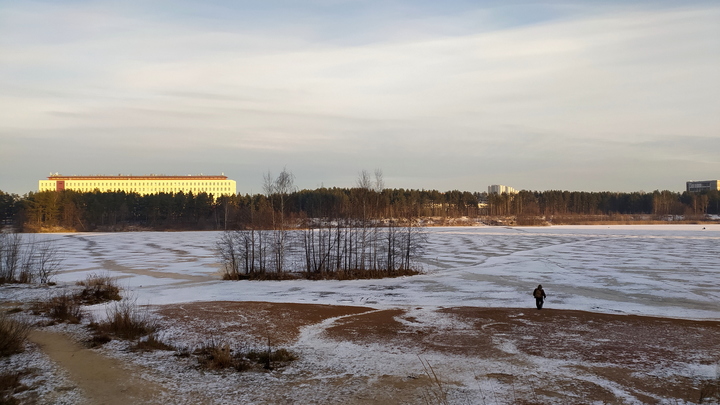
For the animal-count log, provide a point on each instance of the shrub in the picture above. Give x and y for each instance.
(271, 359)
(125, 319)
(64, 308)
(99, 338)
(13, 334)
(215, 355)
(99, 288)
(61, 308)
(710, 390)
(152, 343)
(9, 385)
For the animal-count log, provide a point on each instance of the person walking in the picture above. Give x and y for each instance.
(539, 295)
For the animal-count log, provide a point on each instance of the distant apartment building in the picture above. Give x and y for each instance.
(152, 184)
(705, 185)
(499, 189)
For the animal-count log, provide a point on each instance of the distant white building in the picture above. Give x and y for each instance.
(143, 185)
(499, 189)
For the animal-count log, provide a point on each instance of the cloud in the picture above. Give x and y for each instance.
(622, 83)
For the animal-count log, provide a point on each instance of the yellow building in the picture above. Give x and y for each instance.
(215, 185)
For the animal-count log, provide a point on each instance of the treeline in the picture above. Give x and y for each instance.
(562, 203)
(92, 211)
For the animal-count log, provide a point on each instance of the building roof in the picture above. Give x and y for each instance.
(130, 177)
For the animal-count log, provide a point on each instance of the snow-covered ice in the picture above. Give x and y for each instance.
(669, 271)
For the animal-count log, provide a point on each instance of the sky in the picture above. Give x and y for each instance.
(553, 95)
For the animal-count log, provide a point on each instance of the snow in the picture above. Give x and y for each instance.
(668, 271)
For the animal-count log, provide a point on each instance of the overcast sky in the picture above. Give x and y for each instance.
(588, 96)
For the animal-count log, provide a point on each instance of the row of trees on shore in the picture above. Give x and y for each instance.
(552, 203)
(89, 211)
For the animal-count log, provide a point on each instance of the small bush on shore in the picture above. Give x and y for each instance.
(99, 288)
(64, 308)
(271, 359)
(9, 385)
(126, 320)
(152, 343)
(710, 391)
(13, 334)
(99, 338)
(215, 355)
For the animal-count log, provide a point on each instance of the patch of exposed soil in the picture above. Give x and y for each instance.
(516, 355)
(631, 351)
(102, 380)
(251, 321)
(626, 353)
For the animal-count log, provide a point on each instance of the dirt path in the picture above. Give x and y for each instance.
(102, 380)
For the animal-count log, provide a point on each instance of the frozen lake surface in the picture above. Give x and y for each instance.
(671, 271)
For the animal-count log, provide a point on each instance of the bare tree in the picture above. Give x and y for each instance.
(229, 255)
(47, 261)
(10, 256)
(243, 253)
(278, 190)
(379, 182)
(25, 261)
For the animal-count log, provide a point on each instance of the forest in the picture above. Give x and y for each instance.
(120, 211)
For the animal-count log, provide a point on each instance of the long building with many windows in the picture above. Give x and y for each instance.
(152, 184)
(705, 185)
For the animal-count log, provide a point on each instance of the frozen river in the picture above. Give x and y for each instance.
(671, 270)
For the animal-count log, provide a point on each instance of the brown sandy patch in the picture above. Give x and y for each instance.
(102, 380)
(519, 356)
(638, 353)
(375, 326)
(624, 340)
(252, 321)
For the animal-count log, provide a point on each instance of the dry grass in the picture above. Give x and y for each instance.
(710, 391)
(360, 274)
(99, 288)
(64, 308)
(152, 343)
(271, 359)
(263, 276)
(9, 385)
(99, 338)
(437, 393)
(13, 334)
(126, 320)
(214, 355)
